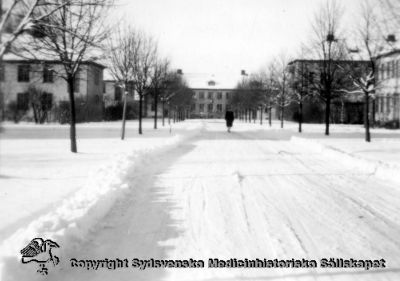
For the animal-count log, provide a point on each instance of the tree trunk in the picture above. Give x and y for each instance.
(163, 112)
(140, 113)
(124, 117)
(300, 116)
(270, 116)
(169, 114)
(155, 108)
(72, 129)
(282, 109)
(261, 116)
(367, 132)
(327, 114)
(254, 113)
(35, 114)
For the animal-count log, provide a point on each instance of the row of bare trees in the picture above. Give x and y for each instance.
(133, 59)
(335, 63)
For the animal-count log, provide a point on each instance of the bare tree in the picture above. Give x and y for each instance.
(24, 16)
(158, 80)
(369, 43)
(72, 34)
(143, 69)
(123, 49)
(328, 49)
(280, 81)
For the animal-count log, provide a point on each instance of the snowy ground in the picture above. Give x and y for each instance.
(35, 162)
(253, 193)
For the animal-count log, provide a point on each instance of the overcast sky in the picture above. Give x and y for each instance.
(225, 36)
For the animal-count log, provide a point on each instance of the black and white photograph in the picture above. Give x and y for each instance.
(200, 140)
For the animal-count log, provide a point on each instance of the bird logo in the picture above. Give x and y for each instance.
(40, 251)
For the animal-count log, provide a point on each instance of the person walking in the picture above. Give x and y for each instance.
(229, 117)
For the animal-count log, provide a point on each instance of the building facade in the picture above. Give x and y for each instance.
(19, 79)
(387, 100)
(346, 106)
(210, 101)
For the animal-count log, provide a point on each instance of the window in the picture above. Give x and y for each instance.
(210, 95)
(201, 107)
(23, 73)
(219, 95)
(228, 96)
(46, 101)
(210, 107)
(219, 107)
(201, 95)
(117, 93)
(1, 73)
(104, 87)
(47, 74)
(23, 101)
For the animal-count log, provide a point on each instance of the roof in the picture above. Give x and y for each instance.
(316, 61)
(10, 58)
(204, 81)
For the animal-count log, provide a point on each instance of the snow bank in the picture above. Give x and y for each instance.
(73, 219)
(380, 169)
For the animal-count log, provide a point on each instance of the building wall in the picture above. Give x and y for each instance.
(94, 92)
(387, 102)
(89, 93)
(210, 103)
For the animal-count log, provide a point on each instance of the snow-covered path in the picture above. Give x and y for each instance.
(248, 194)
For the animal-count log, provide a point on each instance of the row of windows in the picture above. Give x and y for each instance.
(48, 75)
(24, 73)
(210, 107)
(390, 69)
(210, 95)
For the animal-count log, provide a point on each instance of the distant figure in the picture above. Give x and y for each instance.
(229, 117)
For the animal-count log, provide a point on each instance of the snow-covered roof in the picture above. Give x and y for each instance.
(10, 57)
(212, 81)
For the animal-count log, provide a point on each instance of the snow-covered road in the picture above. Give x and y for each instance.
(248, 194)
